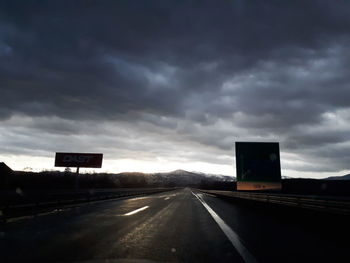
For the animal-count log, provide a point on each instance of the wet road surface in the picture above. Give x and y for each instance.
(177, 226)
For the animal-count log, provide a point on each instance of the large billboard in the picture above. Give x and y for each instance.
(258, 166)
(88, 160)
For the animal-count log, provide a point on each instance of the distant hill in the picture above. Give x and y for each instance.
(4, 169)
(343, 177)
(178, 178)
(6, 174)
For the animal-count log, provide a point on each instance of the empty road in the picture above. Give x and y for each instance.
(176, 226)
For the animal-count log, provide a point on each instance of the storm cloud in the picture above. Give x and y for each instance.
(177, 80)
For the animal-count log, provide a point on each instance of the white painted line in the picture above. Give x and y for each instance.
(167, 198)
(230, 234)
(136, 211)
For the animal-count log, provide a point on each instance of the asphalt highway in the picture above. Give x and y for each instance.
(176, 226)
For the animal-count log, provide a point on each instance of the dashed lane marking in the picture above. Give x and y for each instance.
(136, 211)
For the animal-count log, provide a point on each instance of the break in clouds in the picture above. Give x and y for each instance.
(177, 81)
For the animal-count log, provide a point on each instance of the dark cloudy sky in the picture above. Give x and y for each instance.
(161, 85)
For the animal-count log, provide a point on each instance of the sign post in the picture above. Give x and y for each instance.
(77, 179)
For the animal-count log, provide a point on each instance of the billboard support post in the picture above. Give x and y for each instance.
(77, 179)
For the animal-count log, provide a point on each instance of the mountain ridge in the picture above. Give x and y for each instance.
(178, 178)
(341, 177)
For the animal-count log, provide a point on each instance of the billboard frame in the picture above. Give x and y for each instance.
(79, 160)
(258, 166)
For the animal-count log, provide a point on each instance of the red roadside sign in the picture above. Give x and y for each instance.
(86, 160)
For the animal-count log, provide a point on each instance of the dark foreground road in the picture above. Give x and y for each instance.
(176, 226)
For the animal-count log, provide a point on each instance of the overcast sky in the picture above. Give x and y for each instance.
(164, 85)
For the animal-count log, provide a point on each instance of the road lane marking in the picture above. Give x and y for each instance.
(167, 198)
(230, 234)
(136, 211)
(140, 198)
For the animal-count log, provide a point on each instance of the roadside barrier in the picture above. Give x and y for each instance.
(320, 203)
(25, 203)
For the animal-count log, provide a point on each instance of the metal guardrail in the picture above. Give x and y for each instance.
(31, 203)
(325, 204)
